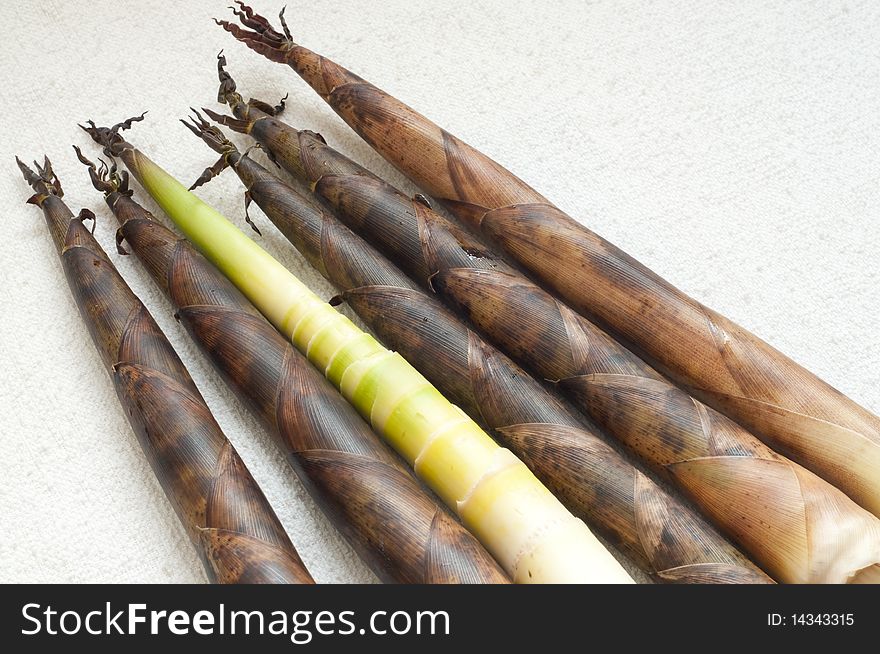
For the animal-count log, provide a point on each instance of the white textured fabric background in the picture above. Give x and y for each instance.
(732, 147)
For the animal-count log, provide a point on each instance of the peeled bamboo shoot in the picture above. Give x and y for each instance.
(559, 446)
(394, 524)
(518, 520)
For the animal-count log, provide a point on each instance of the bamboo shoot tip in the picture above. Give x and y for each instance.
(44, 181)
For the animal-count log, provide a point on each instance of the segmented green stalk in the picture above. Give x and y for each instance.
(497, 497)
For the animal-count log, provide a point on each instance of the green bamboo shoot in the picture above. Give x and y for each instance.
(497, 497)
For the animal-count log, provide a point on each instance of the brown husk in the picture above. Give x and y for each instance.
(720, 362)
(236, 532)
(662, 534)
(396, 526)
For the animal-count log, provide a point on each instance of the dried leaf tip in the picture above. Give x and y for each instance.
(46, 184)
(228, 94)
(209, 133)
(216, 141)
(229, 156)
(258, 23)
(108, 179)
(264, 39)
(44, 181)
(109, 137)
(236, 125)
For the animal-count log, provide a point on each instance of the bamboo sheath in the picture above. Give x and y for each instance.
(236, 532)
(523, 525)
(723, 364)
(393, 523)
(660, 533)
(796, 526)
